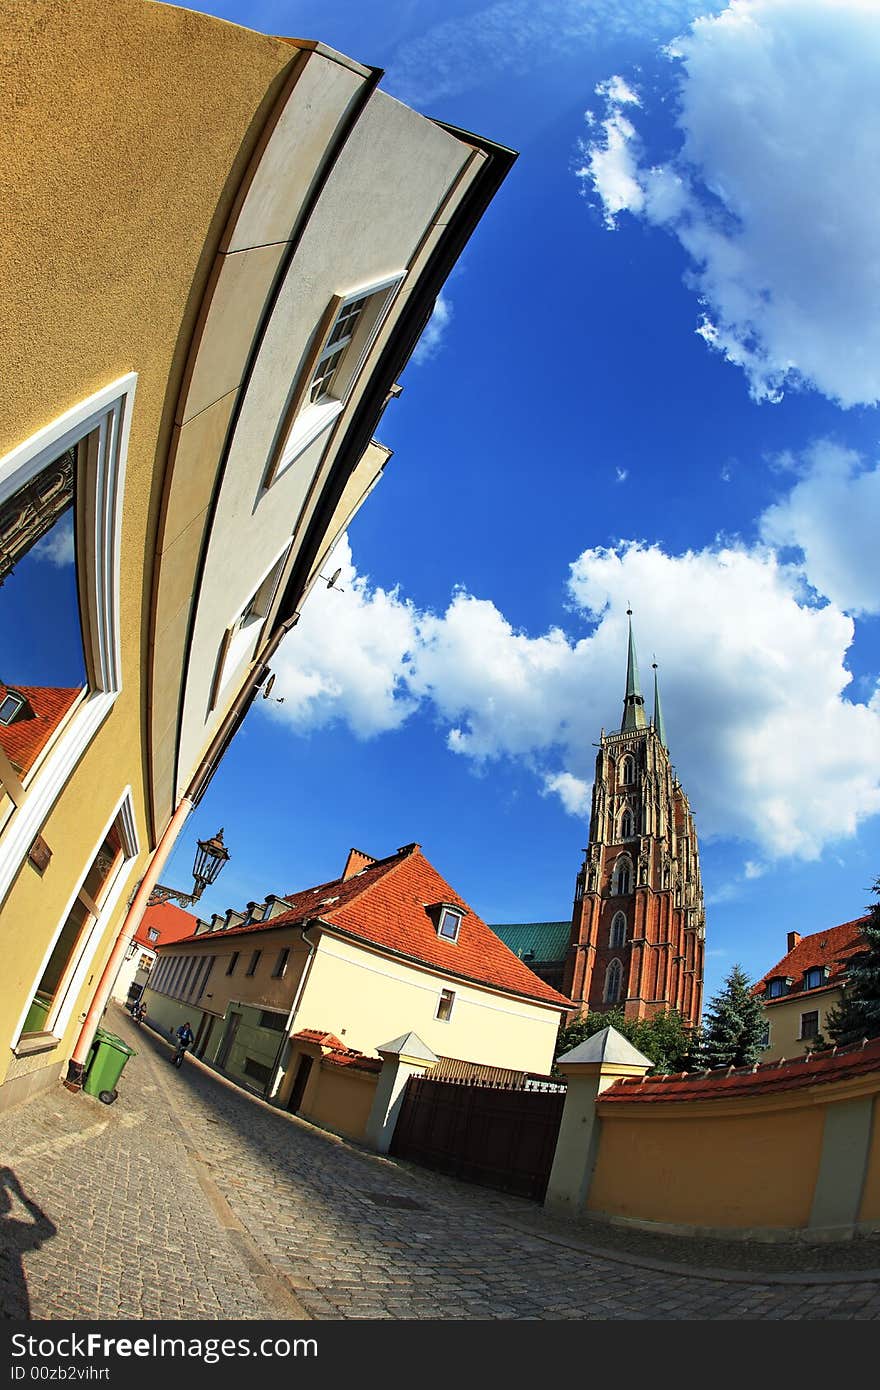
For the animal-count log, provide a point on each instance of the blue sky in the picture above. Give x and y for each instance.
(653, 379)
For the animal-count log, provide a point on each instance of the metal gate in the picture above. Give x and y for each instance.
(500, 1136)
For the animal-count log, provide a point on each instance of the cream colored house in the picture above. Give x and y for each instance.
(387, 949)
(801, 989)
(220, 249)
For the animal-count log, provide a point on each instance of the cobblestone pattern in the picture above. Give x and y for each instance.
(351, 1234)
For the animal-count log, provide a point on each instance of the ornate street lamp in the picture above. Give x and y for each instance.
(211, 855)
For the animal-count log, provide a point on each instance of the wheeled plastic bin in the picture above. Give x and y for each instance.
(108, 1057)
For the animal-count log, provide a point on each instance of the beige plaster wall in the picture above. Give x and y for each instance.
(126, 130)
(367, 999)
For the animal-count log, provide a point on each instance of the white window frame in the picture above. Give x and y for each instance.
(101, 423)
(240, 639)
(59, 1017)
(311, 420)
(445, 994)
(457, 917)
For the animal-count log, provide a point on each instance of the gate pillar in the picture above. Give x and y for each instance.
(589, 1069)
(402, 1058)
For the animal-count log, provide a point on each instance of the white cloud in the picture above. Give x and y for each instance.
(831, 516)
(435, 329)
(622, 474)
(762, 733)
(753, 870)
(516, 37)
(57, 547)
(773, 193)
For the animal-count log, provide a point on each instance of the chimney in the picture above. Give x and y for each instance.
(792, 940)
(356, 861)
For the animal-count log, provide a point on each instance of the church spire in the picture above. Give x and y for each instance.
(633, 701)
(658, 709)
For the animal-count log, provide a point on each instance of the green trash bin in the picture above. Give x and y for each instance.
(108, 1057)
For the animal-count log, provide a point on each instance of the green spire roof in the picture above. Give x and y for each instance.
(658, 710)
(634, 700)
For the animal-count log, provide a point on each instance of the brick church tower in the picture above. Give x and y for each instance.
(638, 927)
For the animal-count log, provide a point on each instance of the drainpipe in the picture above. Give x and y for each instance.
(303, 979)
(76, 1065)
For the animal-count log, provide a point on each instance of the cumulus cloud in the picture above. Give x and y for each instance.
(762, 730)
(773, 192)
(435, 329)
(830, 516)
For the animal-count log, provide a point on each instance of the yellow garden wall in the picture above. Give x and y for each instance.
(339, 1099)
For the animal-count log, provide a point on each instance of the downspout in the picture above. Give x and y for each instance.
(275, 1078)
(76, 1065)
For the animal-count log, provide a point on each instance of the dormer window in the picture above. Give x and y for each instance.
(447, 919)
(814, 977)
(776, 988)
(11, 707)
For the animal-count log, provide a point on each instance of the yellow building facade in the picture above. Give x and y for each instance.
(219, 250)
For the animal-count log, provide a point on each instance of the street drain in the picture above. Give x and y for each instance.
(390, 1199)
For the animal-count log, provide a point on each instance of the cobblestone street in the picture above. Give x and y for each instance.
(188, 1198)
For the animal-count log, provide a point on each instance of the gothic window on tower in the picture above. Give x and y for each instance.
(613, 981)
(627, 770)
(621, 879)
(626, 825)
(618, 930)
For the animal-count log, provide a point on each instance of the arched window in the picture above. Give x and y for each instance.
(621, 879)
(626, 825)
(627, 770)
(618, 930)
(613, 981)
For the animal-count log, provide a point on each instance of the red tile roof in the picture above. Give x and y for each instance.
(384, 906)
(24, 739)
(313, 1035)
(832, 948)
(768, 1078)
(171, 922)
(337, 1054)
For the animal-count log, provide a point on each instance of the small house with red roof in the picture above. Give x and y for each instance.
(160, 926)
(802, 987)
(332, 972)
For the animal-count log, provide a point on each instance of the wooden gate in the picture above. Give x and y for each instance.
(500, 1136)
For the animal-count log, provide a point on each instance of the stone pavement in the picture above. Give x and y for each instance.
(189, 1198)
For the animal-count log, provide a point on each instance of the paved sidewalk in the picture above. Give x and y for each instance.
(189, 1198)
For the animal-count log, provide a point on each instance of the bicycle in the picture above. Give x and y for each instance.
(182, 1049)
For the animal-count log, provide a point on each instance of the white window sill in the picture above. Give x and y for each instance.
(310, 423)
(36, 1042)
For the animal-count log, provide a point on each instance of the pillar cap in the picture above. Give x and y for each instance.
(607, 1048)
(408, 1048)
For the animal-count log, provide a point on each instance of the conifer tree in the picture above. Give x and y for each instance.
(733, 1027)
(858, 1014)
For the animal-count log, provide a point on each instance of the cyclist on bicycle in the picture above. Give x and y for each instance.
(185, 1039)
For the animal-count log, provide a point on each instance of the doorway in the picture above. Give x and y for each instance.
(228, 1039)
(300, 1081)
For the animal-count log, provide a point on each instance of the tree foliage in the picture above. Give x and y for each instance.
(858, 1014)
(734, 1024)
(666, 1038)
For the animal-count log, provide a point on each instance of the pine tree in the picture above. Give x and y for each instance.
(733, 1028)
(858, 1014)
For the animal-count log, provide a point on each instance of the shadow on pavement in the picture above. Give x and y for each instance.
(18, 1236)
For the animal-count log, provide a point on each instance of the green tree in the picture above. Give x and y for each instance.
(733, 1028)
(857, 1016)
(666, 1038)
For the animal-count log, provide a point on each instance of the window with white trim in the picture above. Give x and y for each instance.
(339, 348)
(61, 495)
(61, 975)
(240, 638)
(450, 924)
(444, 1005)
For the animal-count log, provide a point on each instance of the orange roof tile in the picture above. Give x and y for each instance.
(24, 739)
(313, 1035)
(171, 922)
(384, 906)
(838, 1064)
(832, 948)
